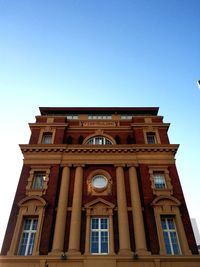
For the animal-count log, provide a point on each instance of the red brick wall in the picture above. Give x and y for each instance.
(20, 194)
(178, 193)
(139, 136)
(75, 135)
(147, 198)
(49, 219)
(35, 132)
(163, 136)
(59, 136)
(111, 170)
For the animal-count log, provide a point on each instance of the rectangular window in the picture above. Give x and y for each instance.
(28, 237)
(151, 138)
(38, 181)
(126, 117)
(99, 239)
(159, 180)
(72, 117)
(170, 235)
(47, 138)
(99, 117)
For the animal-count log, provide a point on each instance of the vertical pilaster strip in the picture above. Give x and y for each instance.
(87, 237)
(111, 235)
(140, 240)
(59, 232)
(124, 237)
(75, 226)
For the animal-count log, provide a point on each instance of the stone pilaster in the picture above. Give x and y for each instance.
(75, 226)
(59, 232)
(124, 236)
(140, 240)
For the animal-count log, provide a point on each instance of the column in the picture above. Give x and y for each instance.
(124, 236)
(75, 226)
(59, 232)
(140, 240)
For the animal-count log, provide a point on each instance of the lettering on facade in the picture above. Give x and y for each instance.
(98, 123)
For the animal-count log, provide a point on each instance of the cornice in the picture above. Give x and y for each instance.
(44, 124)
(96, 149)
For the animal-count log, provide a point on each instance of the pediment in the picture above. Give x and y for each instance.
(33, 200)
(166, 201)
(99, 202)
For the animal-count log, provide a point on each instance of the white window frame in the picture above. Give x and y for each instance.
(72, 117)
(168, 231)
(38, 180)
(153, 138)
(161, 181)
(99, 232)
(126, 116)
(30, 240)
(47, 138)
(99, 117)
(99, 140)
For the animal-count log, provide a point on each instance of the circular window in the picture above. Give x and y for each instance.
(99, 182)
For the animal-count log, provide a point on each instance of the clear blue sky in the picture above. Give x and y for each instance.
(100, 53)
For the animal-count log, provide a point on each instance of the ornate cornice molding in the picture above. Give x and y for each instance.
(99, 149)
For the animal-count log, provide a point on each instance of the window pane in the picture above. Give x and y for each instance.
(151, 139)
(104, 223)
(99, 236)
(31, 244)
(174, 243)
(170, 235)
(159, 180)
(99, 140)
(108, 142)
(163, 222)
(38, 181)
(104, 242)
(90, 142)
(170, 223)
(47, 139)
(34, 225)
(23, 244)
(28, 237)
(95, 242)
(27, 224)
(95, 223)
(167, 243)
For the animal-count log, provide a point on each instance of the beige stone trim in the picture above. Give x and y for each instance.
(163, 191)
(139, 232)
(168, 205)
(28, 207)
(106, 191)
(37, 169)
(151, 129)
(75, 226)
(59, 232)
(87, 237)
(47, 129)
(124, 235)
(148, 120)
(99, 208)
(101, 261)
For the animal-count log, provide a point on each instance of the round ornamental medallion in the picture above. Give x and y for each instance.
(99, 182)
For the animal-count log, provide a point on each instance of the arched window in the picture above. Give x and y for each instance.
(99, 140)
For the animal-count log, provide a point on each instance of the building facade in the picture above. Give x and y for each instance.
(99, 186)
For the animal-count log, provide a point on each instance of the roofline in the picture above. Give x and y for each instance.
(81, 110)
